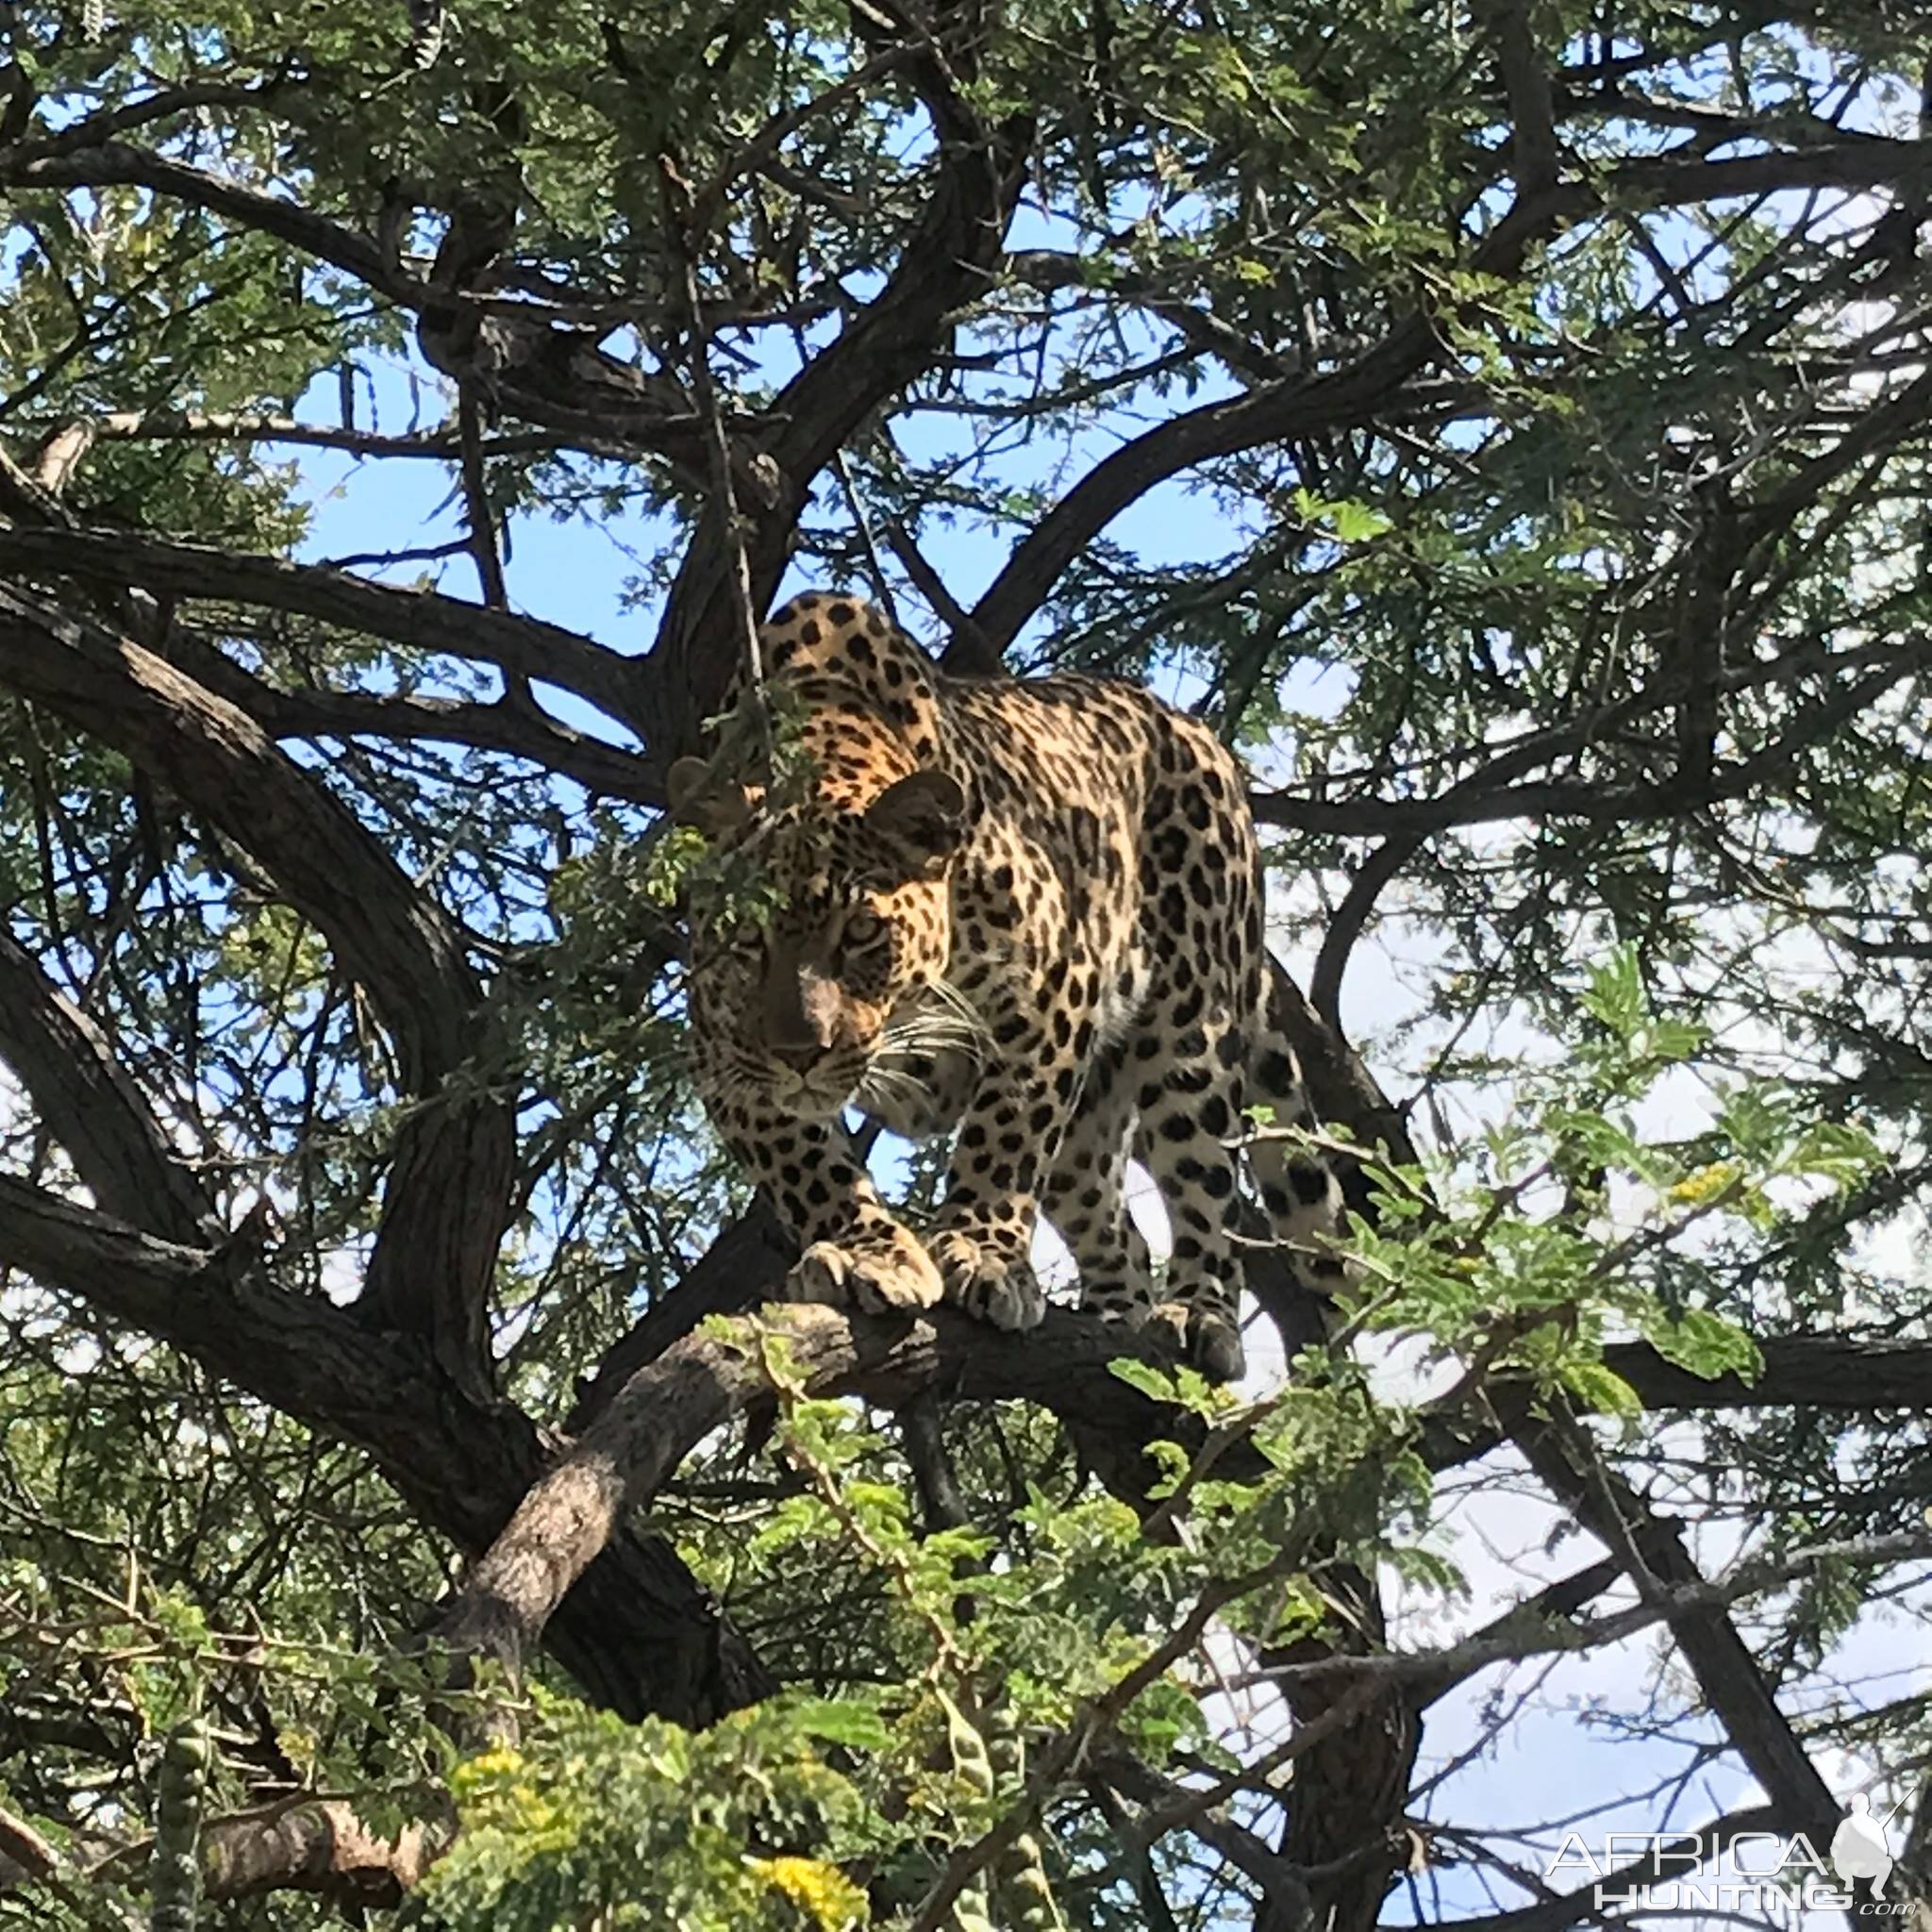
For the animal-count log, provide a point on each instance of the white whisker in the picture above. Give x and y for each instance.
(883, 1085)
(910, 1039)
(883, 1077)
(949, 997)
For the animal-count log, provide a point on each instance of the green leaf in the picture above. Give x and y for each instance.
(1156, 1384)
(1601, 1388)
(1614, 994)
(1708, 1345)
(839, 1721)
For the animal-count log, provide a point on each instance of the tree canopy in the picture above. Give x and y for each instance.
(1507, 421)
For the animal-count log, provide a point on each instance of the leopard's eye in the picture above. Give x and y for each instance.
(862, 929)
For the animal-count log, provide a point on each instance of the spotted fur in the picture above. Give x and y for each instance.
(1031, 908)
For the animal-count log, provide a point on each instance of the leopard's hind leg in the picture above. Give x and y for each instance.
(1085, 1197)
(1300, 1188)
(1186, 1069)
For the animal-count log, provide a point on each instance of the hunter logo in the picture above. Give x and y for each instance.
(1748, 1871)
(1859, 1847)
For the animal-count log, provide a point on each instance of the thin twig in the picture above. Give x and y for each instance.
(680, 224)
(476, 510)
(703, 208)
(881, 589)
(970, 650)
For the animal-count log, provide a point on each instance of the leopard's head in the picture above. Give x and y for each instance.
(805, 1002)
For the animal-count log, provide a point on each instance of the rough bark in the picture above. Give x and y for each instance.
(318, 1847)
(640, 1434)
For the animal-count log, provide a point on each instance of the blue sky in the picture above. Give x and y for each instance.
(1561, 1755)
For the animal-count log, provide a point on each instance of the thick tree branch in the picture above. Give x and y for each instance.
(1744, 778)
(1485, 796)
(1891, 418)
(27, 1859)
(525, 646)
(640, 1435)
(742, 1268)
(305, 1356)
(1533, 153)
(448, 1190)
(216, 425)
(1661, 1865)
(217, 759)
(1851, 162)
(634, 1439)
(1051, 270)
(755, 150)
(1665, 1571)
(120, 165)
(164, 104)
(1280, 413)
(94, 1108)
(603, 770)
(1831, 1372)
(322, 1847)
(1170, 1807)
(1840, 1374)
(948, 262)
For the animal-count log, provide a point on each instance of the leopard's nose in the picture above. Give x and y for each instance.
(801, 1058)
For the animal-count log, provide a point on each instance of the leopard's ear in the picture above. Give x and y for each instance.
(924, 816)
(699, 797)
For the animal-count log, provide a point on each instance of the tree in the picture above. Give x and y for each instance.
(1507, 421)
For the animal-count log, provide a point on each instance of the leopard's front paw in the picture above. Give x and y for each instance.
(877, 1273)
(987, 1282)
(1207, 1337)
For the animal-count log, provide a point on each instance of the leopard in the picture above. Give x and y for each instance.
(1027, 910)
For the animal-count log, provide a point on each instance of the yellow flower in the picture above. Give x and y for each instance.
(474, 1774)
(814, 1887)
(1706, 1184)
